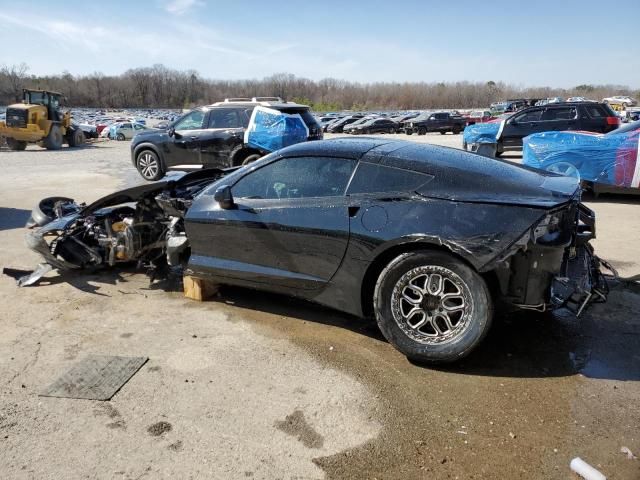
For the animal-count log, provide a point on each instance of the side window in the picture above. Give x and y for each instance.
(562, 113)
(224, 118)
(531, 116)
(126, 125)
(192, 121)
(300, 177)
(595, 111)
(372, 178)
(137, 126)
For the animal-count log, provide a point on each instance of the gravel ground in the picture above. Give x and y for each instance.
(251, 385)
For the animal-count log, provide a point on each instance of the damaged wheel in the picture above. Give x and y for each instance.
(432, 307)
(149, 166)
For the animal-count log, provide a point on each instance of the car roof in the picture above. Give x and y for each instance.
(353, 148)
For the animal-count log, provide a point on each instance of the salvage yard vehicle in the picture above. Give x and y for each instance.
(38, 119)
(507, 134)
(428, 240)
(621, 100)
(479, 116)
(209, 137)
(375, 125)
(339, 125)
(442, 122)
(608, 162)
(126, 130)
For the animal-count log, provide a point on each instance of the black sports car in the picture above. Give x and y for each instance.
(426, 239)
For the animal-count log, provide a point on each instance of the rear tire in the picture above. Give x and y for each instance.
(55, 138)
(432, 307)
(456, 129)
(120, 137)
(149, 165)
(442, 132)
(16, 145)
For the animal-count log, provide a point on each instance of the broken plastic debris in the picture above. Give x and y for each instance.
(41, 270)
(628, 453)
(585, 470)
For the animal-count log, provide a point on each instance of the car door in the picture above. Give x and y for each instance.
(183, 145)
(288, 230)
(520, 125)
(223, 132)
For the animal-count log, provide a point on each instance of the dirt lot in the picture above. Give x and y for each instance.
(258, 386)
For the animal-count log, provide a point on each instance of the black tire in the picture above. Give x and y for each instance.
(464, 145)
(422, 131)
(17, 145)
(409, 132)
(456, 129)
(149, 165)
(55, 138)
(76, 138)
(120, 137)
(251, 158)
(442, 132)
(499, 150)
(430, 342)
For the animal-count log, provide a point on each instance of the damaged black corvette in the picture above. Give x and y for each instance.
(428, 240)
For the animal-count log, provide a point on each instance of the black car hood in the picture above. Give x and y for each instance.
(468, 177)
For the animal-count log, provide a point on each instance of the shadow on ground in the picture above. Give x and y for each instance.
(600, 344)
(11, 218)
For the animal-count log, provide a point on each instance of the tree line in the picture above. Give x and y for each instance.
(162, 87)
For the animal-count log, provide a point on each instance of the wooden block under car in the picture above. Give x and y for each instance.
(198, 289)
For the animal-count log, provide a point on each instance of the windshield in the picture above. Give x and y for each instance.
(629, 127)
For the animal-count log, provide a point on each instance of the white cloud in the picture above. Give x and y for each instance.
(180, 7)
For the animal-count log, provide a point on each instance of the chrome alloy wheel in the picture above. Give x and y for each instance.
(431, 304)
(148, 166)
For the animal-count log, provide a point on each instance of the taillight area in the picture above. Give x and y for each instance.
(614, 121)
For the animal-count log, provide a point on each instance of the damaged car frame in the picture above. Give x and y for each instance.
(428, 240)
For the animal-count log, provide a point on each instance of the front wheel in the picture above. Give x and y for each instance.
(54, 140)
(432, 307)
(120, 137)
(442, 132)
(149, 165)
(456, 129)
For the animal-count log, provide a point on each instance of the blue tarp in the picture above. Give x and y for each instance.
(271, 130)
(610, 159)
(482, 132)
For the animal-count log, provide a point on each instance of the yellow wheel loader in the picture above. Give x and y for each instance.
(39, 119)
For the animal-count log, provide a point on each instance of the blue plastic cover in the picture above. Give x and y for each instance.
(271, 130)
(610, 159)
(488, 132)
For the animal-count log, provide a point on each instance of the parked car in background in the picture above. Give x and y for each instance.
(210, 136)
(442, 122)
(338, 125)
(507, 134)
(162, 125)
(375, 125)
(349, 127)
(621, 100)
(479, 116)
(125, 130)
(462, 234)
(600, 160)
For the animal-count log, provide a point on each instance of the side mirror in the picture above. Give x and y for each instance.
(224, 197)
(171, 131)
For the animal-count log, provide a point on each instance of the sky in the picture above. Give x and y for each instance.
(559, 43)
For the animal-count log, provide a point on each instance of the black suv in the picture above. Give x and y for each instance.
(588, 117)
(208, 137)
